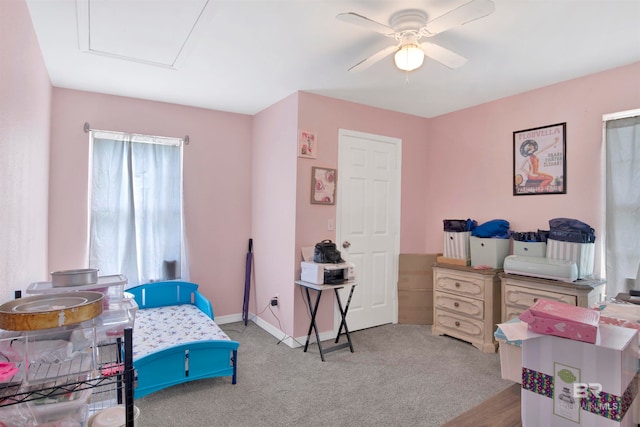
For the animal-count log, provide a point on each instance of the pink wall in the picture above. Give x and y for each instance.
(325, 116)
(243, 179)
(217, 183)
(274, 211)
(470, 154)
(281, 181)
(25, 106)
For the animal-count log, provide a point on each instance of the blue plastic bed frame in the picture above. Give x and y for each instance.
(186, 362)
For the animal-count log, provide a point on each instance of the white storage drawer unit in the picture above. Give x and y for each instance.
(466, 304)
(521, 292)
(460, 285)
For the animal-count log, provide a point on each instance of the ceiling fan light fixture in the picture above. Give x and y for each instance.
(409, 57)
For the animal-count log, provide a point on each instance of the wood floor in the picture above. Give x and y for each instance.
(501, 410)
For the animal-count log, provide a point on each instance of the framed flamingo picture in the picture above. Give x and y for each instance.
(539, 160)
(323, 186)
(307, 145)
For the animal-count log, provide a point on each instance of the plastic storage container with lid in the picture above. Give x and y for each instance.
(114, 416)
(64, 410)
(111, 286)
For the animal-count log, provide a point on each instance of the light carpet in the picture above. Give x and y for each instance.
(399, 375)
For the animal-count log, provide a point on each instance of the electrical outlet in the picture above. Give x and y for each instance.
(274, 301)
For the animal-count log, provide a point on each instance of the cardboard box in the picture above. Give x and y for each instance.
(583, 254)
(625, 315)
(454, 261)
(562, 320)
(415, 307)
(568, 382)
(456, 244)
(491, 252)
(415, 288)
(415, 271)
(537, 249)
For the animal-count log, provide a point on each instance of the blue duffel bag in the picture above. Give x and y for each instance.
(571, 230)
(498, 228)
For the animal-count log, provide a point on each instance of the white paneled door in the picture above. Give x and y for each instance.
(368, 224)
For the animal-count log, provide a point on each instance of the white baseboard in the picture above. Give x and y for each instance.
(281, 336)
(277, 333)
(231, 318)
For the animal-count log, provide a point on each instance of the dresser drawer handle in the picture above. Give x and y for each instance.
(457, 285)
(457, 323)
(456, 304)
(535, 300)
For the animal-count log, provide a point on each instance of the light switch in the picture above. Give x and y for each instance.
(330, 225)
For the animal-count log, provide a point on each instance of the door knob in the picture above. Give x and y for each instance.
(346, 244)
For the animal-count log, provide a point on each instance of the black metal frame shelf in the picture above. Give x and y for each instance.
(120, 373)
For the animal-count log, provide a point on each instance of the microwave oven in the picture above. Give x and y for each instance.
(327, 274)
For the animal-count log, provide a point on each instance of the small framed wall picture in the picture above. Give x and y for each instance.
(307, 145)
(323, 186)
(539, 160)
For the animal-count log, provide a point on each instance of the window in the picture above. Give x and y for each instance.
(622, 200)
(136, 210)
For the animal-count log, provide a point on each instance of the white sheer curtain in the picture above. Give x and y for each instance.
(136, 214)
(622, 213)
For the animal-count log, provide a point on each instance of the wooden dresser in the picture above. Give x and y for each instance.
(520, 292)
(466, 304)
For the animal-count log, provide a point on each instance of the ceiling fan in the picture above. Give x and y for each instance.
(409, 26)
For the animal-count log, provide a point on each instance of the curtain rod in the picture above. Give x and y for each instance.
(87, 129)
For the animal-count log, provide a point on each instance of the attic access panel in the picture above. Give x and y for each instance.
(151, 32)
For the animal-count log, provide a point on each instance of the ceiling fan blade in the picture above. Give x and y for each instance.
(366, 63)
(475, 9)
(363, 21)
(443, 55)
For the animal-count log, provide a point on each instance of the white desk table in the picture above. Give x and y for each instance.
(313, 309)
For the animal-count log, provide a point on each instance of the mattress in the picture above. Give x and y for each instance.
(162, 327)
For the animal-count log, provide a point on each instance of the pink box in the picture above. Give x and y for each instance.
(562, 320)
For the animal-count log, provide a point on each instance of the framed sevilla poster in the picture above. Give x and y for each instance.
(539, 160)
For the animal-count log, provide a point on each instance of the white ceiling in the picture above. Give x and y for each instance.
(243, 56)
